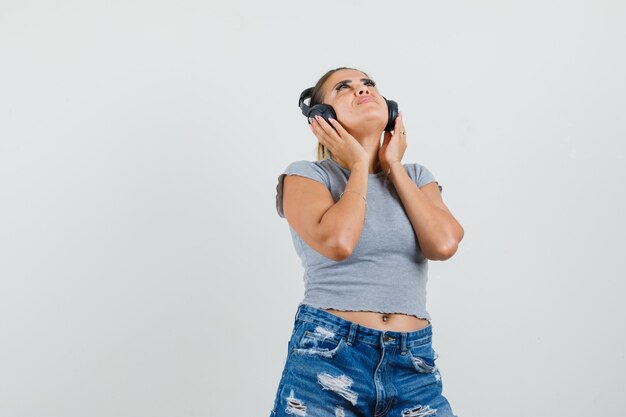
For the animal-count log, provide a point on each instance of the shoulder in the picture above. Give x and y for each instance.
(315, 170)
(420, 174)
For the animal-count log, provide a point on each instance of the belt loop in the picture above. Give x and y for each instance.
(403, 338)
(297, 313)
(352, 334)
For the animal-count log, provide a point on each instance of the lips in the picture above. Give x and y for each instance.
(364, 100)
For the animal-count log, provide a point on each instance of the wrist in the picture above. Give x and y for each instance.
(357, 166)
(391, 165)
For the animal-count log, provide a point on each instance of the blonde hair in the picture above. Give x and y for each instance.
(317, 98)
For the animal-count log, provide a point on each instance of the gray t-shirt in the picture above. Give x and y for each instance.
(387, 271)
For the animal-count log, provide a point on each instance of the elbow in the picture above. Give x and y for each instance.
(447, 247)
(444, 252)
(342, 253)
(436, 256)
(338, 251)
(448, 252)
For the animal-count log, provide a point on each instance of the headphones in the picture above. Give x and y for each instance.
(328, 112)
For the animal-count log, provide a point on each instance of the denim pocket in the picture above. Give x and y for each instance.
(315, 339)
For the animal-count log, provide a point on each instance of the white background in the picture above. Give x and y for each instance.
(144, 270)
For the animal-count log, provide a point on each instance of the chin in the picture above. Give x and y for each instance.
(373, 120)
(367, 127)
(376, 123)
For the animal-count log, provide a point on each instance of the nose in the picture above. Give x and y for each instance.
(363, 90)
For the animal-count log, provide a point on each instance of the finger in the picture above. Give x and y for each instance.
(398, 125)
(321, 134)
(386, 138)
(326, 128)
(402, 131)
(338, 128)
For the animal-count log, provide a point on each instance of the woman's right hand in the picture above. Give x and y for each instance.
(344, 147)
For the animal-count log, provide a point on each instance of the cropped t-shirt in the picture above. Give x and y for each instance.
(386, 271)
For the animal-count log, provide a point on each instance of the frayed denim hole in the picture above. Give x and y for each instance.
(311, 339)
(319, 344)
(423, 358)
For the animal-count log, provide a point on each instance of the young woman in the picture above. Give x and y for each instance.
(365, 225)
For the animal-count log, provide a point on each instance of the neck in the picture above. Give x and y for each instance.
(371, 143)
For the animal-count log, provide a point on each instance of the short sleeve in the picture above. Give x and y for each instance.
(304, 168)
(423, 176)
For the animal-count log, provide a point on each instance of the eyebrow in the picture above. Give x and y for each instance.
(349, 81)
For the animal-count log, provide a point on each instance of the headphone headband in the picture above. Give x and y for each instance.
(303, 96)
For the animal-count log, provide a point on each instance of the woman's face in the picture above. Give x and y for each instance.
(356, 100)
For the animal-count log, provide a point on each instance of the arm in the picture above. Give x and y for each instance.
(438, 232)
(331, 228)
(347, 216)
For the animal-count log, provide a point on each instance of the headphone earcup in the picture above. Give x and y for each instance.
(392, 106)
(324, 110)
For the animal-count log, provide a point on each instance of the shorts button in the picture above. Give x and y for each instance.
(388, 338)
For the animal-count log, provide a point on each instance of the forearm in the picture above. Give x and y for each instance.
(344, 220)
(435, 228)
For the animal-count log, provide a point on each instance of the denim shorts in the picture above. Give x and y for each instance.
(338, 368)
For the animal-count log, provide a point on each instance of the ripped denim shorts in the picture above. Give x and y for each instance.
(335, 367)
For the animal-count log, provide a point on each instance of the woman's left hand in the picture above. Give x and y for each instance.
(393, 146)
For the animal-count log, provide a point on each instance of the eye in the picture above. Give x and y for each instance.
(340, 86)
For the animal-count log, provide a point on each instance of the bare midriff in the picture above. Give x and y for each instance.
(382, 321)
